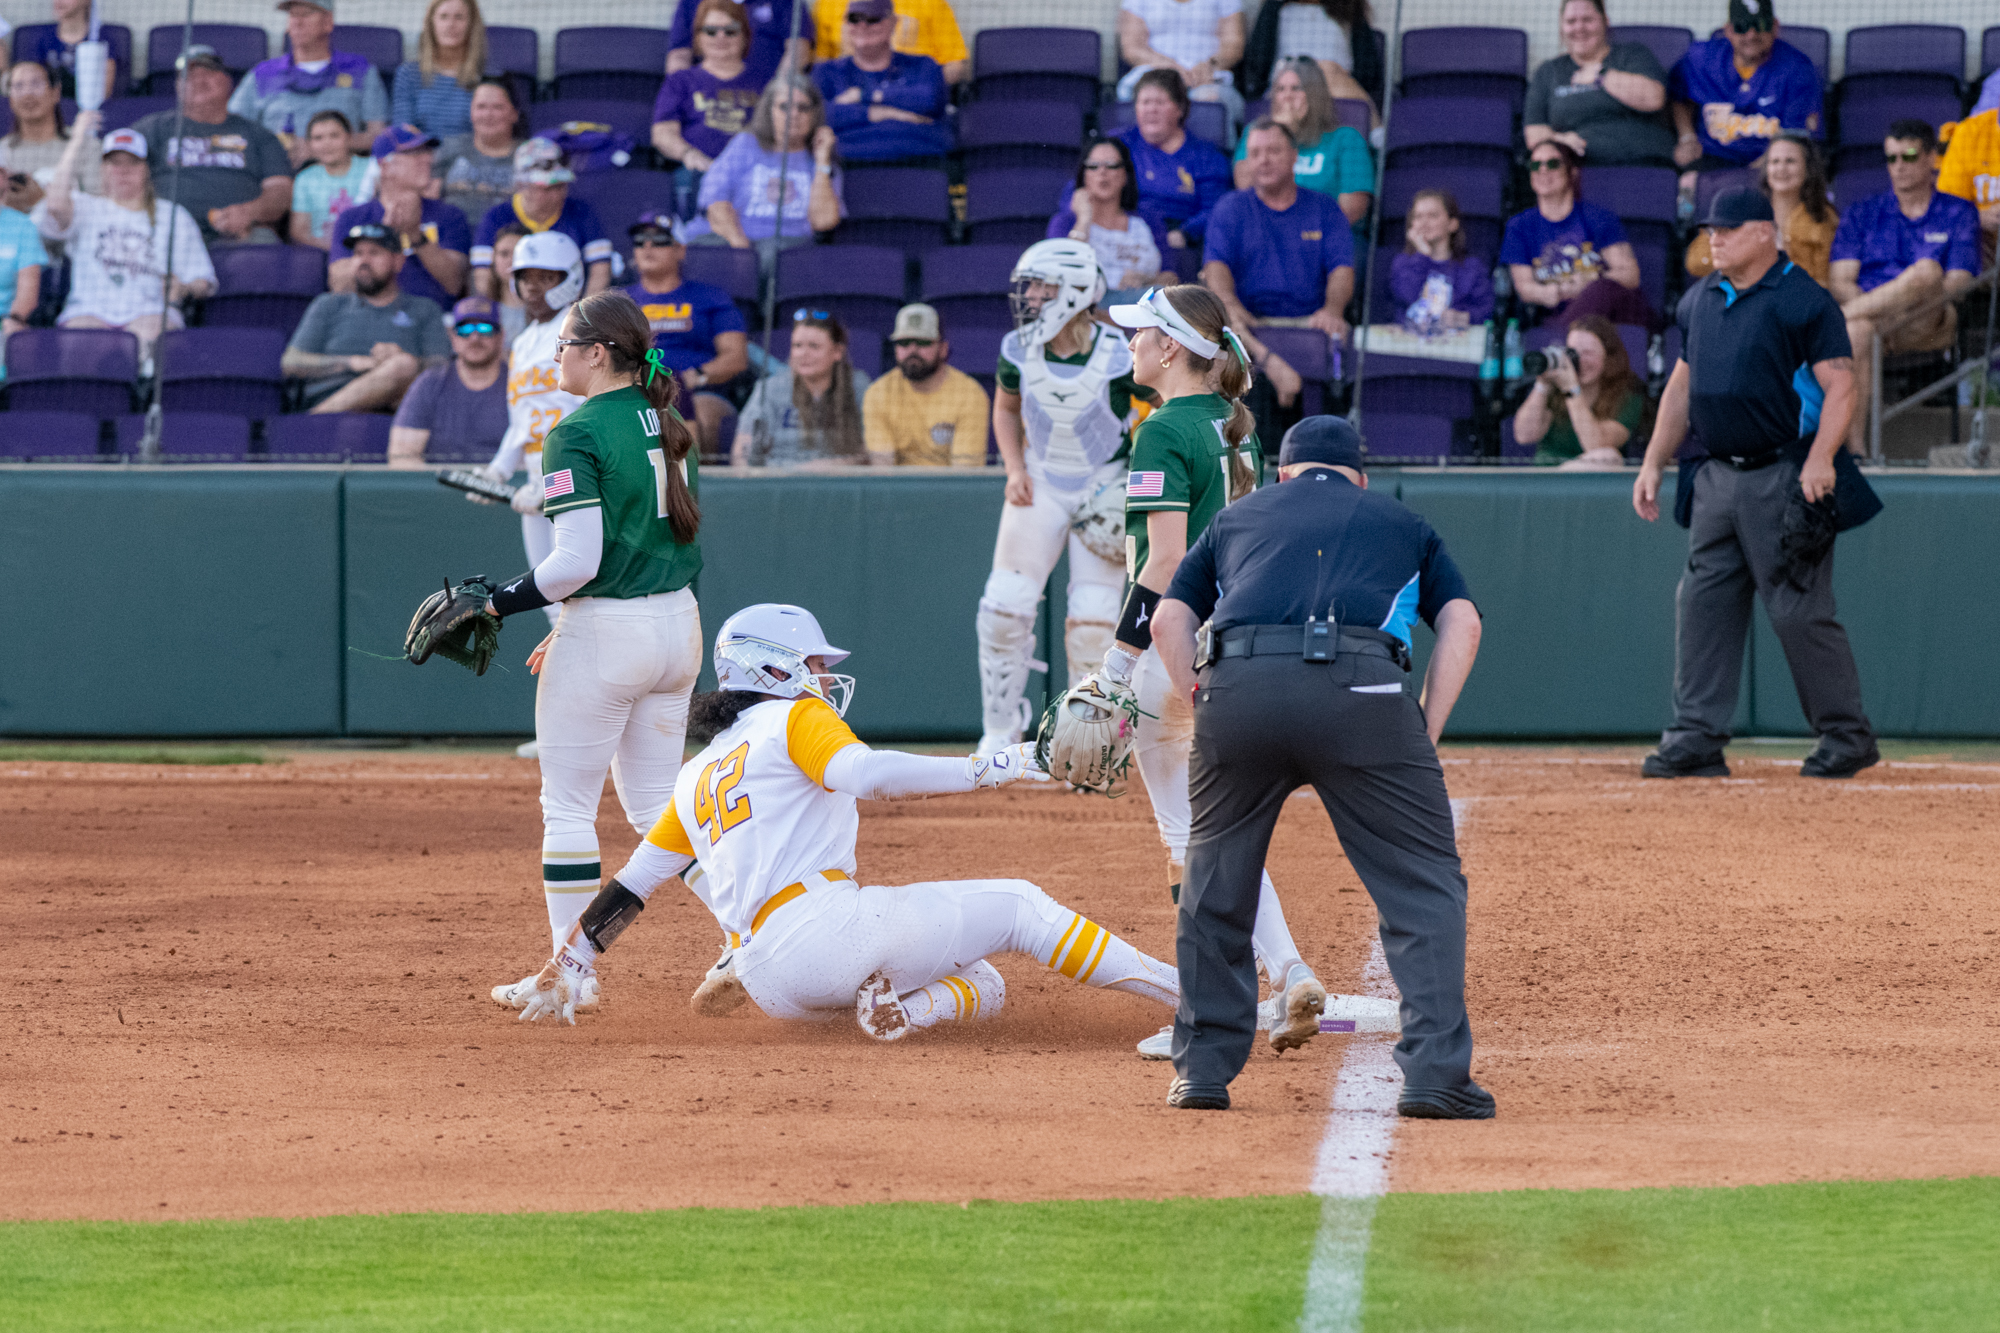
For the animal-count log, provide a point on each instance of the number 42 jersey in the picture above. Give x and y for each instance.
(752, 811)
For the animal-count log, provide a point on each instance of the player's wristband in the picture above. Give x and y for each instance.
(1136, 625)
(517, 596)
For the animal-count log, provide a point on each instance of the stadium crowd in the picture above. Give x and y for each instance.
(863, 186)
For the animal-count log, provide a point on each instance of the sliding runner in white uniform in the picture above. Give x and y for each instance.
(762, 829)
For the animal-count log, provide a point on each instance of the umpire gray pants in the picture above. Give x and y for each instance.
(1733, 553)
(1263, 727)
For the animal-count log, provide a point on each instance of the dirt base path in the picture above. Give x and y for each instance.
(1763, 979)
(256, 991)
(262, 991)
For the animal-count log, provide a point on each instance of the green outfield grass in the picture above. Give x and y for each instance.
(1900, 1255)
(88, 752)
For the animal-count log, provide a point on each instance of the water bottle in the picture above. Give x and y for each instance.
(1510, 365)
(90, 60)
(1503, 285)
(1489, 365)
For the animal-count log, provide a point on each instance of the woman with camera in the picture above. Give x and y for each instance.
(1586, 404)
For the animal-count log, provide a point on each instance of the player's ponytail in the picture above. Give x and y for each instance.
(1228, 372)
(614, 319)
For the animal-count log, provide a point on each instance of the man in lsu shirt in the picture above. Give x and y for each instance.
(1734, 93)
(697, 328)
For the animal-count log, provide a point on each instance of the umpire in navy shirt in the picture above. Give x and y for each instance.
(1767, 378)
(1311, 588)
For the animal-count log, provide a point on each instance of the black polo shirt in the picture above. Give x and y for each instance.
(1750, 355)
(1286, 552)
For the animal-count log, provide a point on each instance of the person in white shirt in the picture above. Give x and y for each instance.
(762, 830)
(1201, 40)
(119, 242)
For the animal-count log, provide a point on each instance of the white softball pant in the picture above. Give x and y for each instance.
(1162, 740)
(814, 952)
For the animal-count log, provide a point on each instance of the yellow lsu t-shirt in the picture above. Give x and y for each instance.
(923, 28)
(946, 427)
(1971, 165)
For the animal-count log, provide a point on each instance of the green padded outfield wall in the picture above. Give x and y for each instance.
(169, 602)
(247, 601)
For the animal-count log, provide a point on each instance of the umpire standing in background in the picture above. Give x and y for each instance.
(1312, 587)
(1767, 379)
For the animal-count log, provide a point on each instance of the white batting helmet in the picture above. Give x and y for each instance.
(764, 648)
(556, 253)
(1071, 266)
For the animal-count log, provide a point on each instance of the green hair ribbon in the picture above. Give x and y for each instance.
(655, 365)
(1236, 343)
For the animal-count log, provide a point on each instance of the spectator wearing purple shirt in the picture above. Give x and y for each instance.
(884, 106)
(698, 329)
(1279, 257)
(1453, 287)
(1180, 176)
(776, 183)
(770, 25)
(1901, 259)
(700, 108)
(541, 202)
(1568, 256)
(1725, 117)
(436, 237)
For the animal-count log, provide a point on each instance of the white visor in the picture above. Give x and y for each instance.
(1154, 311)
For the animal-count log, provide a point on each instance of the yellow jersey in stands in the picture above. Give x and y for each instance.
(752, 810)
(1971, 165)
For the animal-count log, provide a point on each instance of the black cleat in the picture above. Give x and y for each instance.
(1185, 1096)
(1470, 1102)
(1659, 765)
(1818, 766)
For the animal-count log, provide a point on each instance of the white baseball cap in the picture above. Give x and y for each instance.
(125, 141)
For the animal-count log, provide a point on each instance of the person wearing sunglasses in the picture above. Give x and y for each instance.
(884, 105)
(1736, 92)
(777, 183)
(917, 28)
(696, 327)
(1901, 260)
(701, 106)
(1568, 255)
(1104, 214)
(767, 40)
(458, 409)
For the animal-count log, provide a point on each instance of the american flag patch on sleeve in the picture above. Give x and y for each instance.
(557, 483)
(1146, 486)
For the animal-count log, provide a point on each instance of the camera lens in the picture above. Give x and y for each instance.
(1533, 364)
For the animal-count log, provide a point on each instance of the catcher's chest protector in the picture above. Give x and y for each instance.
(1068, 415)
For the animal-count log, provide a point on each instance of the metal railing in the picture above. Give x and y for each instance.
(1973, 367)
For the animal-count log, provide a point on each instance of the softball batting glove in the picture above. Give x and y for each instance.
(528, 497)
(1015, 763)
(558, 988)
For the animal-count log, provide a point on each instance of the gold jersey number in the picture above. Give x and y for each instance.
(718, 806)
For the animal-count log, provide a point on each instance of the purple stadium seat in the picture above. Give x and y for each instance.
(610, 62)
(1853, 185)
(1651, 249)
(239, 45)
(1466, 62)
(1667, 44)
(975, 349)
(1816, 44)
(1390, 435)
(382, 46)
(192, 437)
(864, 345)
(1479, 191)
(1205, 120)
(735, 271)
(72, 370)
(513, 51)
(1711, 183)
(992, 133)
(863, 284)
(905, 207)
(1039, 64)
(620, 196)
(1866, 112)
(1989, 52)
(1185, 261)
(123, 112)
(1451, 132)
(622, 114)
(333, 436)
(227, 370)
(1646, 194)
(1906, 48)
(969, 285)
(1415, 386)
(1014, 205)
(264, 286)
(115, 35)
(1353, 112)
(48, 435)
(1511, 449)
(1313, 355)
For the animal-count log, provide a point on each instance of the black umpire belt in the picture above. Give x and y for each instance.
(1750, 462)
(1290, 641)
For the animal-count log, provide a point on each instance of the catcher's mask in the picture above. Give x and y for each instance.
(764, 648)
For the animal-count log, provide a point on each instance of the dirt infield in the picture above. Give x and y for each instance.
(261, 991)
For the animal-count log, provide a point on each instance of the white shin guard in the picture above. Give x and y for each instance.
(1006, 627)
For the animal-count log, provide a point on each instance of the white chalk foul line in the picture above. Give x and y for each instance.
(1352, 1171)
